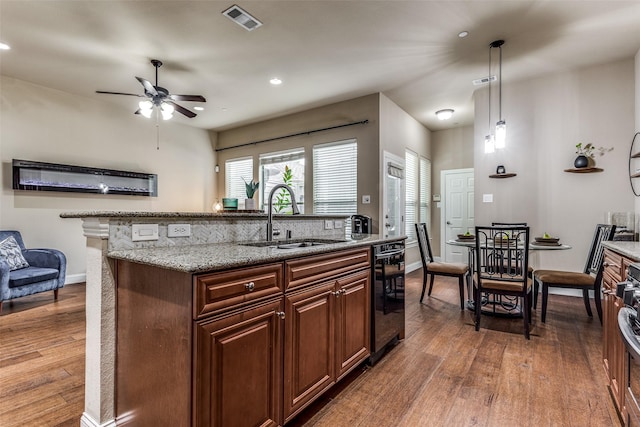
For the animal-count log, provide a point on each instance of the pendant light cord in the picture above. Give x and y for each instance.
(489, 90)
(500, 85)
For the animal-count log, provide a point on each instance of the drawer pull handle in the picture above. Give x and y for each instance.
(250, 286)
(606, 264)
(343, 291)
(280, 314)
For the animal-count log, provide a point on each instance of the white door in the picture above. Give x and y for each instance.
(457, 214)
(392, 223)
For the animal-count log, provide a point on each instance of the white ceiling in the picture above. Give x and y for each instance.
(325, 51)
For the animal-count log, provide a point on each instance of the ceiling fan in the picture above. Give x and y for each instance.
(160, 97)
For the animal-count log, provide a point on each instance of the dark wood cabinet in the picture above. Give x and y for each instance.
(249, 346)
(613, 351)
(238, 368)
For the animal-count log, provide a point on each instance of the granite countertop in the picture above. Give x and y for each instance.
(628, 249)
(221, 256)
(196, 215)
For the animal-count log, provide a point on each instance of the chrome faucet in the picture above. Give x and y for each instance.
(294, 206)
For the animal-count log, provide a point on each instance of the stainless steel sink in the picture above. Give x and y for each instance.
(292, 243)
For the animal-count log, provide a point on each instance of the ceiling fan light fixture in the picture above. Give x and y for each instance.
(444, 114)
(146, 108)
(166, 110)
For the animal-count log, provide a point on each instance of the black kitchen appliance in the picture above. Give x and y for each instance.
(360, 224)
(387, 298)
(629, 325)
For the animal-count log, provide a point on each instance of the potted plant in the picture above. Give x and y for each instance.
(587, 153)
(251, 187)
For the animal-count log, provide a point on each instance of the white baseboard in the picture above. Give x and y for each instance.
(75, 278)
(408, 268)
(87, 421)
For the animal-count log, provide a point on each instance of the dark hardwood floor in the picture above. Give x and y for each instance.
(443, 374)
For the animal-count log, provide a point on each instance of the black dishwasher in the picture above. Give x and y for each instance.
(387, 298)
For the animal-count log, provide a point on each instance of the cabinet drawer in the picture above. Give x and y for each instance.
(217, 291)
(309, 270)
(612, 267)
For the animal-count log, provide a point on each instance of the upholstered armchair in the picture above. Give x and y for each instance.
(28, 271)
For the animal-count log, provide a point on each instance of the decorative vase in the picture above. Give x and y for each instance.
(581, 162)
(249, 204)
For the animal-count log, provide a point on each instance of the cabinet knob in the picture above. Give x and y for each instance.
(250, 286)
(336, 294)
(280, 314)
(343, 291)
(606, 264)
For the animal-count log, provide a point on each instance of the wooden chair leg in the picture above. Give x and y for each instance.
(477, 307)
(431, 284)
(55, 294)
(526, 314)
(536, 288)
(461, 286)
(587, 305)
(545, 296)
(424, 284)
(597, 298)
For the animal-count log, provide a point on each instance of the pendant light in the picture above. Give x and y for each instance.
(501, 125)
(489, 144)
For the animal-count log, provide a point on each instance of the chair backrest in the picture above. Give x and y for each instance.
(596, 251)
(16, 235)
(502, 253)
(423, 242)
(502, 224)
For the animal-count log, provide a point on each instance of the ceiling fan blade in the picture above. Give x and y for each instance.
(180, 109)
(192, 98)
(148, 87)
(118, 93)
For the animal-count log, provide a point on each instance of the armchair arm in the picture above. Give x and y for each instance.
(4, 280)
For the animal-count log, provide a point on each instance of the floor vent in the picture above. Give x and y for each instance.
(242, 18)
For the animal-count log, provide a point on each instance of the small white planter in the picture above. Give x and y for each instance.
(249, 204)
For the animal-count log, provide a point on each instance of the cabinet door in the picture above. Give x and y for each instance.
(353, 322)
(617, 361)
(238, 368)
(309, 346)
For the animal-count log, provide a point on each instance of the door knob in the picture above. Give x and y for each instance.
(448, 222)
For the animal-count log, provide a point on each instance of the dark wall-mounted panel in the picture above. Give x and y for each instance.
(39, 176)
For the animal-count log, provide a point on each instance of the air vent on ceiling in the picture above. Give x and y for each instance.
(484, 80)
(242, 18)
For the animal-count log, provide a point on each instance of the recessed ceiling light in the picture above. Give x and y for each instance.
(198, 108)
(444, 114)
(275, 81)
(463, 34)
(4, 46)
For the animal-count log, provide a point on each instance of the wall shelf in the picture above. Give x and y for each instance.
(584, 170)
(502, 175)
(633, 170)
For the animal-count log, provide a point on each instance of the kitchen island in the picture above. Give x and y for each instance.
(177, 329)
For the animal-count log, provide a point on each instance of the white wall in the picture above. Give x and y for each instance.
(546, 117)
(41, 124)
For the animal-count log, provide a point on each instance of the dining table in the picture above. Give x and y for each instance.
(511, 308)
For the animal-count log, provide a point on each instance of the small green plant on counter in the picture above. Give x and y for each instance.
(283, 198)
(251, 187)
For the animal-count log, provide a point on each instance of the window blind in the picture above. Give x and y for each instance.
(335, 179)
(425, 191)
(411, 194)
(235, 170)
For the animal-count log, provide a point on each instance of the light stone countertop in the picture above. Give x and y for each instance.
(628, 249)
(221, 256)
(196, 215)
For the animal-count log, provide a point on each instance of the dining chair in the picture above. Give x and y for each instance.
(502, 255)
(432, 268)
(516, 224)
(589, 279)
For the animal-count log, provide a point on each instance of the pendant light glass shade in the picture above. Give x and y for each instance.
(501, 134)
(489, 145)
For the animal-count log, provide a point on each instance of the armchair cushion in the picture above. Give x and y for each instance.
(11, 252)
(26, 276)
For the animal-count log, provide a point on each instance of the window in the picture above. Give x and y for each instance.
(236, 171)
(411, 194)
(425, 191)
(335, 179)
(282, 167)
